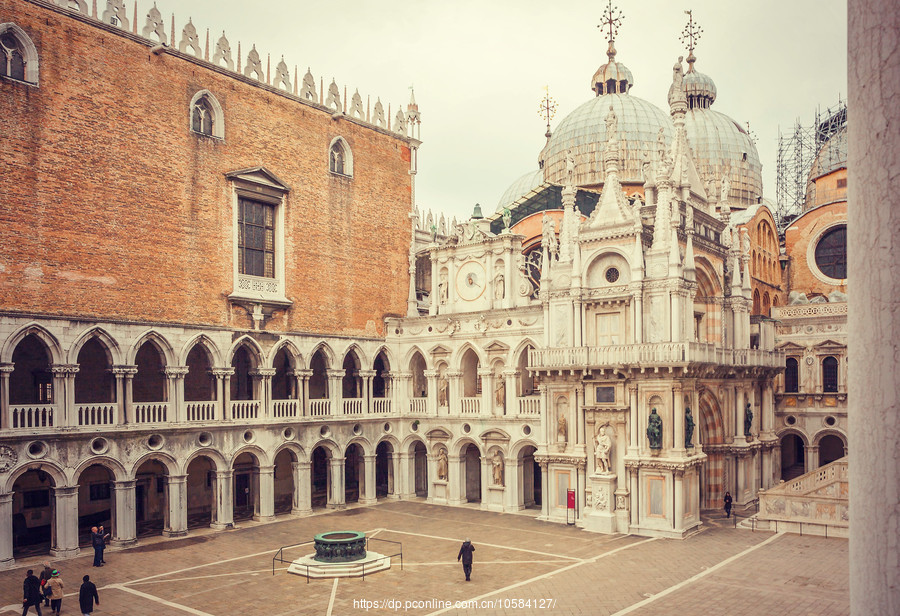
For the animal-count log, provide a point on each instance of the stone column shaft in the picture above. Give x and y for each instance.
(6, 533)
(176, 495)
(124, 522)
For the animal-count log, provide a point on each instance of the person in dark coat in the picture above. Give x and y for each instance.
(727, 500)
(31, 593)
(465, 553)
(87, 595)
(98, 542)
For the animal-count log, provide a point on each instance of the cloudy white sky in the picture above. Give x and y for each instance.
(479, 67)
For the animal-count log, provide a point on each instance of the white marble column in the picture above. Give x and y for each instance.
(432, 392)
(66, 509)
(487, 391)
(455, 486)
(124, 523)
(335, 393)
(6, 534)
(545, 491)
(266, 493)
(301, 499)
(679, 500)
(5, 417)
(224, 489)
(404, 475)
(175, 377)
(338, 498)
(678, 417)
(454, 391)
(634, 439)
(367, 493)
(176, 495)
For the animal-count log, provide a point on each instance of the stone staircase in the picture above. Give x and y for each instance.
(816, 503)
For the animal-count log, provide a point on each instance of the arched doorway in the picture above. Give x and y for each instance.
(320, 477)
(284, 481)
(151, 509)
(354, 474)
(149, 385)
(96, 502)
(793, 457)
(831, 448)
(34, 513)
(384, 469)
(420, 469)
(201, 492)
(30, 386)
(246, 486)
(530, 480)
(471, 461)
(381, 385)
(713, 480)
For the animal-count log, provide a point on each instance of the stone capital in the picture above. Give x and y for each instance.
(221, 373)
(174, 372)
(336, 374)
(124, 369)
(263, 372)
(65, 369)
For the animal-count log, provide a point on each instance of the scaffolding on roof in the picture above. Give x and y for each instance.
(797, 153)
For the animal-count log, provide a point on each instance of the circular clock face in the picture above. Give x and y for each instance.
(470, 281)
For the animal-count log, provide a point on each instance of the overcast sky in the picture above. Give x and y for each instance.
(480, 67)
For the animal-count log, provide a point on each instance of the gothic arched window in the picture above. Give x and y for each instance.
(830, 374)
(18, 55)
(207, 117)
(340, 158)
(791, 376)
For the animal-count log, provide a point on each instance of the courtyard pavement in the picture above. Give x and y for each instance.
(522, 567)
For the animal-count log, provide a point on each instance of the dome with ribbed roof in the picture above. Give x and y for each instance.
(521, 187)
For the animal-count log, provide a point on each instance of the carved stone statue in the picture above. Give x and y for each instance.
(443, 391)
(688, 428)
(443, 289)
(499, 287)
(601, 454)
(507, 218)
(676, 90)
(500, 392)
(748, 420)
(654, 430)
(562, 428)
(497, 468)
(548, 228)
(745, 242)
(726, 188)
(611, 124)
(442, 465)
(661, 144)
(570, 166)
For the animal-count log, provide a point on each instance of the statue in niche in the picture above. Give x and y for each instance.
(562, 425)
(654, 429)
(500, 392)
(548, 228)
(688, 428)
(570, 166)
(497, 468)
(443, 289)
(499, 287)
(442, 465)
(748, 420)
(601, 453)
(443, 391)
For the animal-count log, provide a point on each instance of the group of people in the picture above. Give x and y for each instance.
(48, 590)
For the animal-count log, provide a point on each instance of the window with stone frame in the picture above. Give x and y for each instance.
(340, 157)
(791, 376)
(202, 117)
(18, 55)
(830, 375)
(256, 238)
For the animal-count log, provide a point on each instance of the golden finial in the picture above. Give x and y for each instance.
(612, 19)
(689, 36)
(547, 109)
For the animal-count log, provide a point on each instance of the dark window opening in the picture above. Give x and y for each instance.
(830, 374)
(831, 253)
(256, 238)
(791, 376)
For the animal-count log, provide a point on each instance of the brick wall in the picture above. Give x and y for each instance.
(111, 207)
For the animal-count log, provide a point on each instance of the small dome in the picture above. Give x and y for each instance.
(719, 143)
(613, 77)
(832, 155)
(584, 133)
(699, 89)
(521, 187)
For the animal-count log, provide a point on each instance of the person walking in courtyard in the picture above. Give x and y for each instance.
(87, 596)
(727, 500)
(465, 553)
(56, 592)
(98, 542)
(45, 576)
(31, 593)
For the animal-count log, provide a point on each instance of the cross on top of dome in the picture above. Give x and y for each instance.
(612, 19)
(613, 77)
(689, 36)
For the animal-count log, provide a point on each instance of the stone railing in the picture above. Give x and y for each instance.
(150, 412)
(285, 408)
(418, 406)
(381, 405)
(31, 416)
(245, 409)
(530, 405)
(470, 406)
(320, 408)
(809, 310)
(353, 406)
(97, 414)
(813, 503)
(651, 353)
(201, 411)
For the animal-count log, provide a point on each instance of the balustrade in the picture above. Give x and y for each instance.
(652, 353)
(245, 409)
(97, 414)
(353, 406)
(418, 406)
(285, 408)
(530, 405)
(320, 408)
(470, 406)
(381, 405)
(201, 411)
(150, 412)
(32, 416)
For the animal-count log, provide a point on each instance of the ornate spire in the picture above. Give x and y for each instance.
(547, 109)
(613, 77)
(690, 36)
(612, 19)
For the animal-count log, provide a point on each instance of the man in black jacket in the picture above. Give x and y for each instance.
(31, 593)
(465, 553)
(87, 595)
